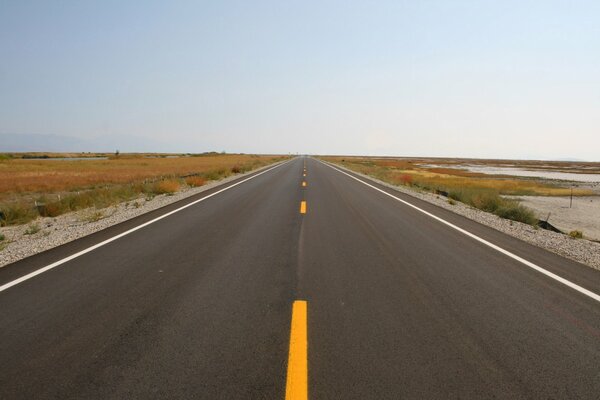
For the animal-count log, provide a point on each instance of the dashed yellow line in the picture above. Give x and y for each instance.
(296, 387)
(303, 207)
(304, 184)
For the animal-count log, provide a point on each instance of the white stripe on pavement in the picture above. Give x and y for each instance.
(479, 239)
(112, 239)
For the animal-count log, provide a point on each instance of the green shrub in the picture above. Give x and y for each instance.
(32, 229)
(216, 174)
(517, 212)
(18, 213)
(94, 217)
(490, 201)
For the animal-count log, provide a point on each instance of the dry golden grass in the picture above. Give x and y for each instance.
(33, 187)
(166, 187)
(482, 193)
(397, 164)
(46, 155)
(505, 186)
(51, 176)
(456, 172)
(409, 172)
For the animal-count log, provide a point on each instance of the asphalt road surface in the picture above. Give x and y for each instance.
(395, 303)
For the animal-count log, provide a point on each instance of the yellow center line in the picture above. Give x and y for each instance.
(304, 174)
(303, 184)
(296, 387)
(303, 207)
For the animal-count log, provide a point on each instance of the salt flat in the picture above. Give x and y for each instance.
(584, 215)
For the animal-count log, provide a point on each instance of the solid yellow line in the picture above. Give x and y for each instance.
(303, 184)
(296, 387)
(303, 207)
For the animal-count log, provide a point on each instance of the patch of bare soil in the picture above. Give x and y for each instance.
(583, 215)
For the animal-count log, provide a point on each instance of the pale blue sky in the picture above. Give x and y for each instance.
(510, 79)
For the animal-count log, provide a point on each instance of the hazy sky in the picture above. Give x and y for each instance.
(511, 79)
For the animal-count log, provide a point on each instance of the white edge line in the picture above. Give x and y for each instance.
(120, 235)
(481, 240)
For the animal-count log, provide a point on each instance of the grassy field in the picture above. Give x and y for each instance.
(39, 185)
(476, 189)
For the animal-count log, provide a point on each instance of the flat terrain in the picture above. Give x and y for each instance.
(51, 175)
(524, 191)
(72, 182)
(455, 173)
(583, 215)
(400, 304)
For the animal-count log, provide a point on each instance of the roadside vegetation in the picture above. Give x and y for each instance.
(94, 216)
(37, 185)
(481, 191)
(32, 229)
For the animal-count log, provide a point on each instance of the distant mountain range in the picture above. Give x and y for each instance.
(18, 142)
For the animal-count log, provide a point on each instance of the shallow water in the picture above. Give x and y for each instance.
(491, 170)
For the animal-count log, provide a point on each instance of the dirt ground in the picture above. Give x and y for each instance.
(584, 215)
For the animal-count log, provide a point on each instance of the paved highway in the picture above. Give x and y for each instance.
(272, 289)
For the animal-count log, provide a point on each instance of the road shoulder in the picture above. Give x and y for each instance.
(49, 233)
(582, 251)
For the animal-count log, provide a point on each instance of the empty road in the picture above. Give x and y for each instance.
(300, 281)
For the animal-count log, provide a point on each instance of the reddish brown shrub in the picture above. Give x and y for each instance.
(195, 181)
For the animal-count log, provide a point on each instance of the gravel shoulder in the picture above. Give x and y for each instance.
(22, 241)
(580, 250)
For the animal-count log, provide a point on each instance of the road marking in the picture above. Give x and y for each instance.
(112, 239)
(480, 240)
(303, 184)
(296, 387)
(303, 207)
(304, 174)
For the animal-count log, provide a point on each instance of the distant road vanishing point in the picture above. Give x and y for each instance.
(299, 281)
